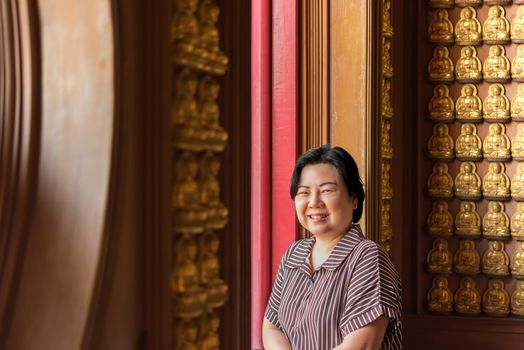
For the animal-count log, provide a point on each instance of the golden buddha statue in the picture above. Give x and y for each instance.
(209, 36)
(185, 30)
(517, 300)
(495, 223)
(440, 144)
(209, 115)
(495, 260)
(467, 259)
(440, 68)
(495, 29)
(468, 145)
(440, 221)
(387, 149)
(517, 144)
(209, 186)
(441, 4)
(439, 258)
(469, 105)
(495, 184)
(440, 297)
(190, 298)
(467, 221)
(190, 216)
(464, 3)
(209, 325)
(441, 107)
(387, 27)
(517, 65)
(440, 30)
(467, 182)
(386, 190)
(387, 67)
(468, 68)
(467, 297)
(497, 146)
(184, 113)
(209, 267)
(387, 108)
(495, 301)
(517, 104)
(517, 223)
(468, 30)
(517, 183)
(186, 335)
(496, 65)
(517, 27)
(517, 261)
(496, 105)
(440, 183)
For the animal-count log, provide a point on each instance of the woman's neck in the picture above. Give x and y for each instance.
(322, 248)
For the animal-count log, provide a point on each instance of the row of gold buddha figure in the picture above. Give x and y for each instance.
(469, 108)
(196, 37)
(495, 223)
(467, 301)
(197, 290)
(469, 147)
(196, 121)
(196, 200)
(496, 29)
(495, 185)
(442, 4)
(495, 261)
(469, 69)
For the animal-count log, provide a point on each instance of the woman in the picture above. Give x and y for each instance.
(335, 290)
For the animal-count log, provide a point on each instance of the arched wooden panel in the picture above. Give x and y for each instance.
(19, 137)
(66, 230)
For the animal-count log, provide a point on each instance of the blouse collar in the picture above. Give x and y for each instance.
(337, 255)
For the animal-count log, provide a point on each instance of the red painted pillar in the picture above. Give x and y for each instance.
(274, 101)
(284, 135)
(260, 165)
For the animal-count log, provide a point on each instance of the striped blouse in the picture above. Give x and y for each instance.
(353, 287)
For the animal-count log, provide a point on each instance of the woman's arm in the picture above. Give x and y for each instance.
(273, 338)
(368, 337)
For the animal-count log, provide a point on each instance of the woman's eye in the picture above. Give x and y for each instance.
(327, 191)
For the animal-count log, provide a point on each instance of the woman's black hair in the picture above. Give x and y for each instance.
(346, 168)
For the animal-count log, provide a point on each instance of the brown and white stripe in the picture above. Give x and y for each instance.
(354, 286)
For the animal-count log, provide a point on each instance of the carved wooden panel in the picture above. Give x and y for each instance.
(198, 139)
(386, 188)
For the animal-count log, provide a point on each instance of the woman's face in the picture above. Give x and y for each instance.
(322, 202)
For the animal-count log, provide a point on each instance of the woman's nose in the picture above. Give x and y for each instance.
(315, 200)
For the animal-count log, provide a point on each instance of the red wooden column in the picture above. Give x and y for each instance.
(274, 145)
(260, 165)
(284, 132)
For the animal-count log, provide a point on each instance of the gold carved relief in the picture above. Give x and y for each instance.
(386, 149)
(473, 141)
(198, 212)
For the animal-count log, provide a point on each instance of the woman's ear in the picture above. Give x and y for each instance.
(355, 202)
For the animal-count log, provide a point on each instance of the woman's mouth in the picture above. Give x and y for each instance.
(317, 217)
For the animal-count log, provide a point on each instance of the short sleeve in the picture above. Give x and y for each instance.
(273, 303)
(373, 290)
